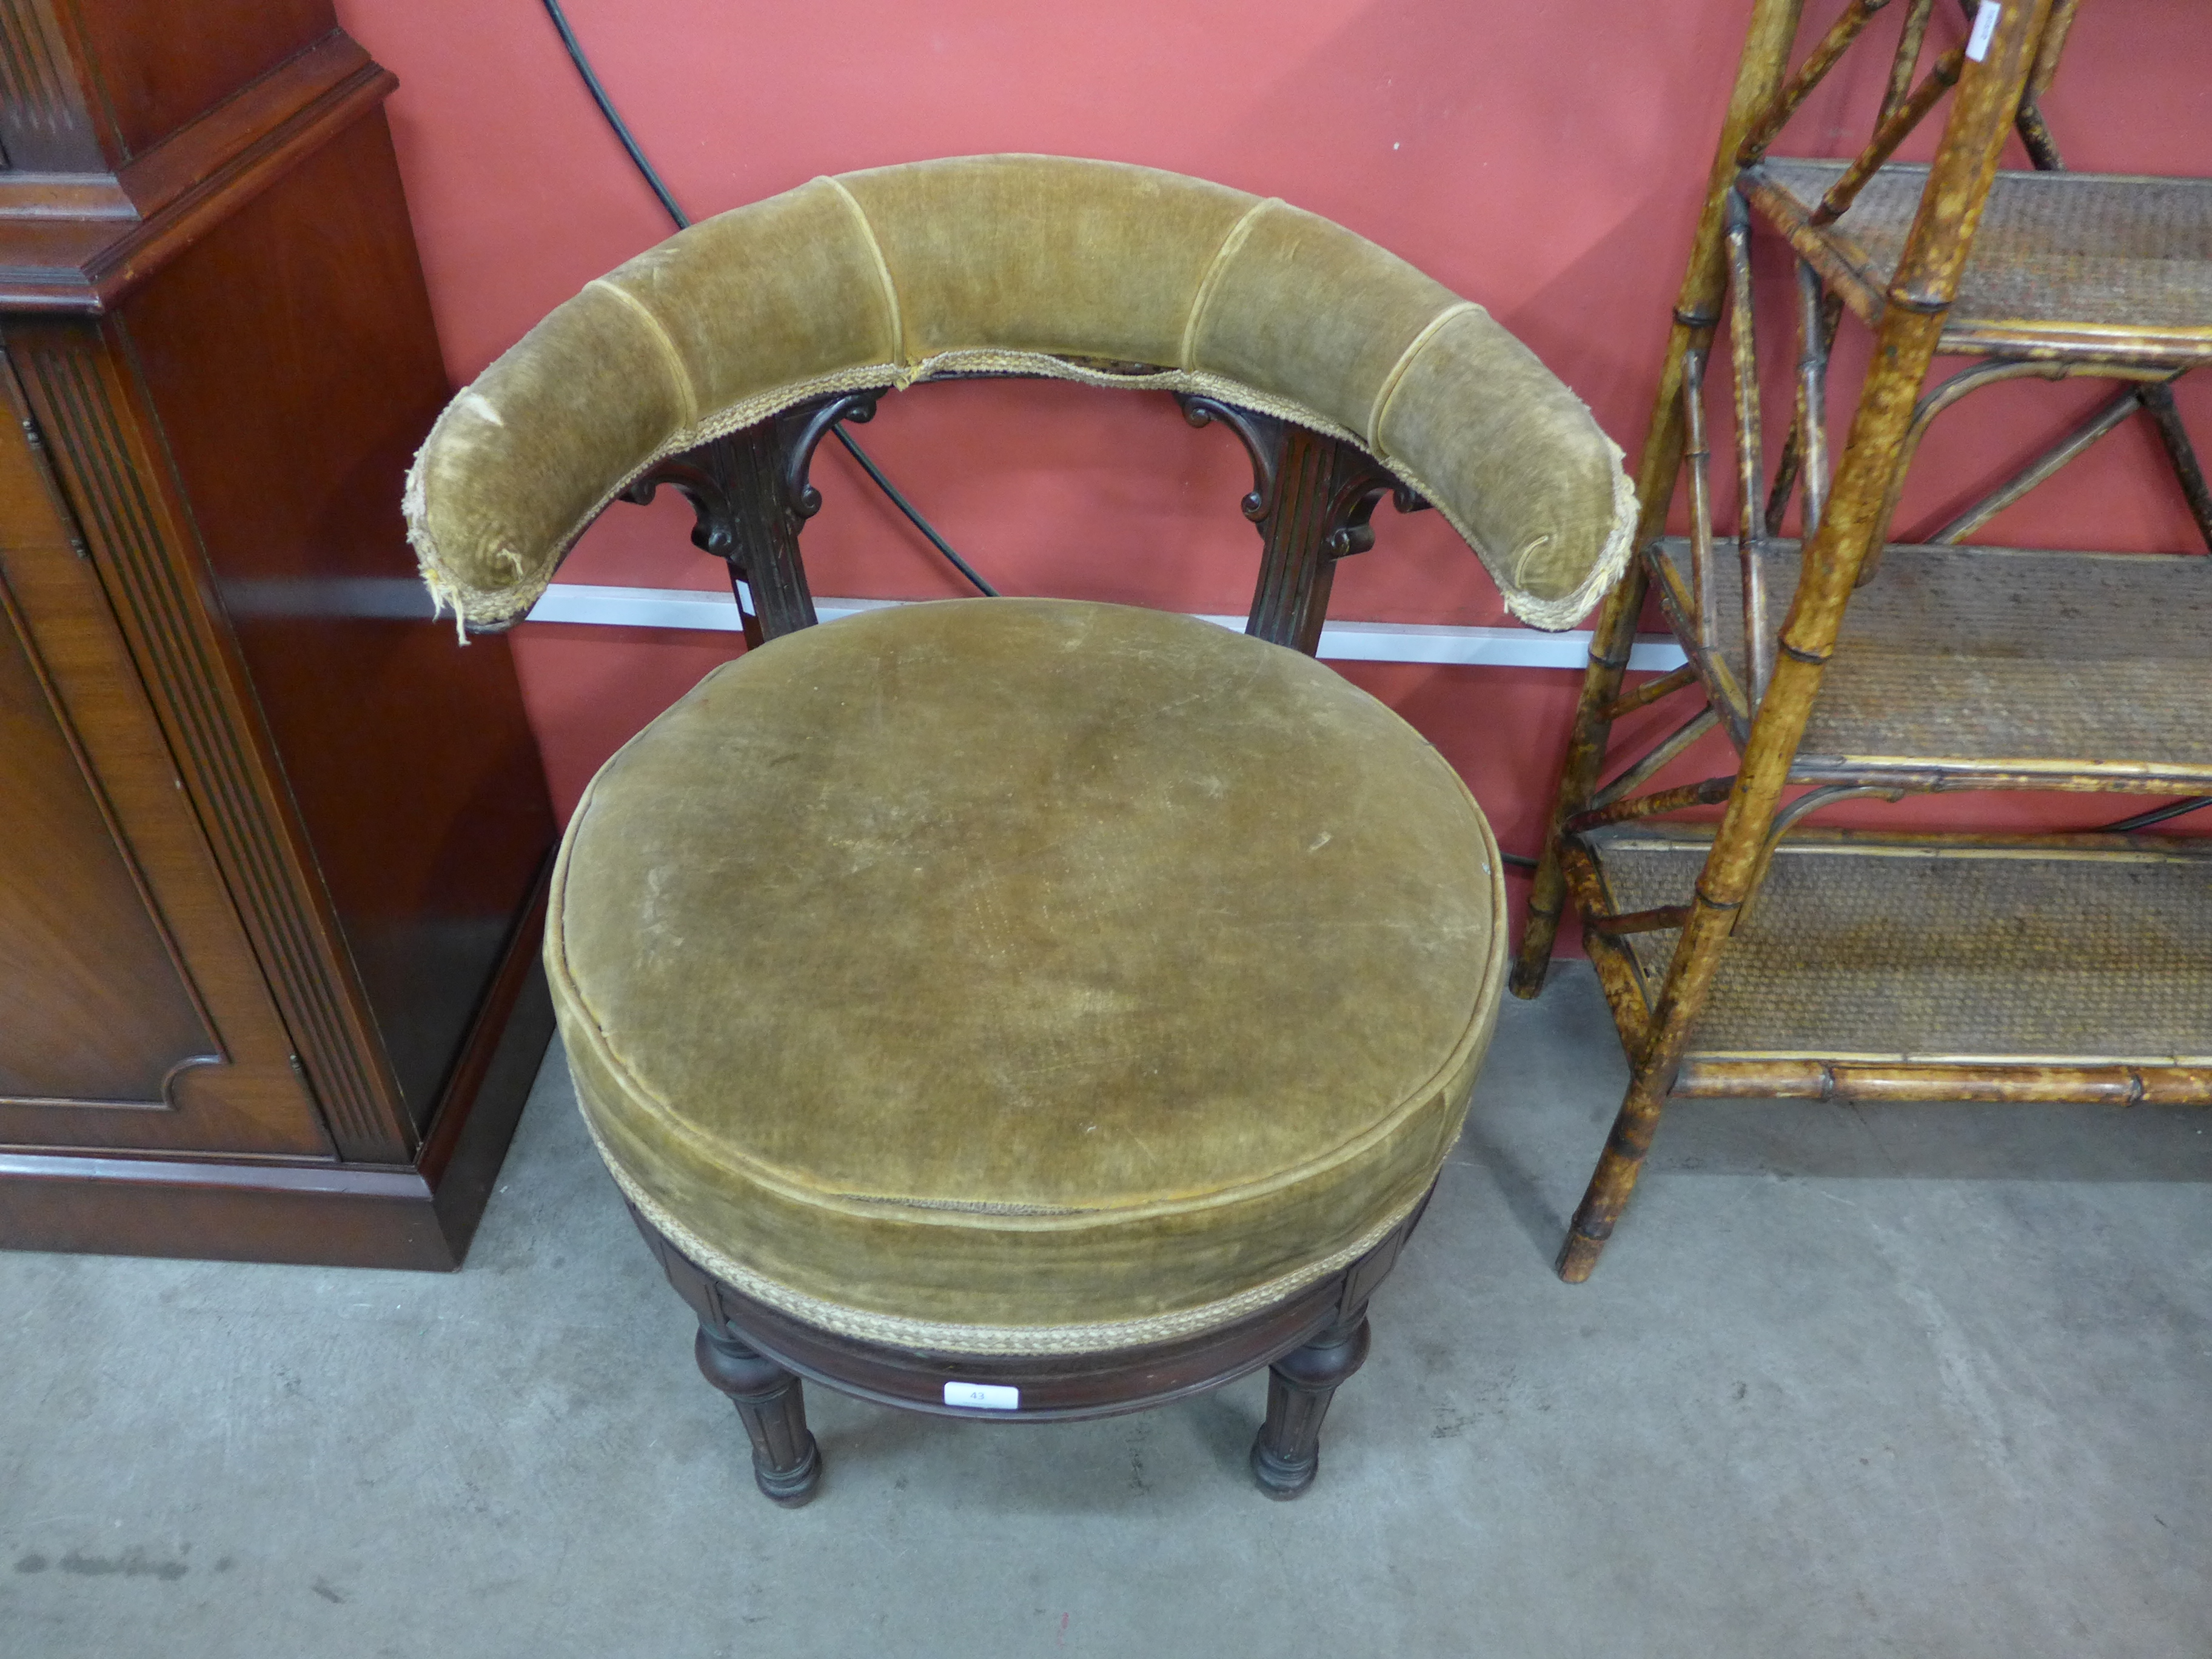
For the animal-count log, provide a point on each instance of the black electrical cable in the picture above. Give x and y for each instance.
(683, 220)
(2156, 815)
(607, 108)
(907, 508)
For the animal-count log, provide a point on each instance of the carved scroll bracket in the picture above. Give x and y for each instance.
(1313, 498)
(801, 431)
(708, 475)
(1356, 482)
(694, 474)
(1361, 485)
(1262, 436)
(751, 496)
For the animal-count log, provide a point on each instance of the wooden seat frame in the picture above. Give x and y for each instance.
(1310, 1341)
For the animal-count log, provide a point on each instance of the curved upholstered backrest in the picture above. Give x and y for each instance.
(1021, 263)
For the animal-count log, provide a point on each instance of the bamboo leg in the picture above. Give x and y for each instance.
(1617, 975)
(1743, 354)
(1794, 445)
(1765, 59)
(1907, 58)
(2051, 48)
(2034, 131)
(1822, 58)
(1816, 327)
(1608, 658)
(1920, 294)
(1696, 473)
(2042, 149)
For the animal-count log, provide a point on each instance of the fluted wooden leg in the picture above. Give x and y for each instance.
(1287, 1454)
(787, 1463)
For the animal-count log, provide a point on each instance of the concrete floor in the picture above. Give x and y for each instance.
(1929, 1381)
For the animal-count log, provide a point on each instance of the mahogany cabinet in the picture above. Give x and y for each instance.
(272, 845)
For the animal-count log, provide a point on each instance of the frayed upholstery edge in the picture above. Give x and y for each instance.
(493, 608)
(1555, 616)
(414, 512)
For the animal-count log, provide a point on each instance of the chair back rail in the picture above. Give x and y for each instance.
(1086, 270)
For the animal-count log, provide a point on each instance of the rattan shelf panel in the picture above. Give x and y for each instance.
(2002, 665)
(1872, 949)
(2078, 267)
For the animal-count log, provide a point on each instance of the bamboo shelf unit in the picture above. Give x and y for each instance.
(1763, 956)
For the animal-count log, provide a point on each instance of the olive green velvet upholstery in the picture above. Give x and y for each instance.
(1025, 975)
(1022, 976)
(1028, 264)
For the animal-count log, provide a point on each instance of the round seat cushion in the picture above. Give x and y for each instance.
(1025, 975)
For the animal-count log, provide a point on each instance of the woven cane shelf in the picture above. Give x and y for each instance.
(1883, 952)
(1759, 955)
(2082, 266)
(1984, 665)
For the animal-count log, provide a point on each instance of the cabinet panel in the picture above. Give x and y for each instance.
(106, 445)
(98, 1011)
(117, 875)
(409, 761)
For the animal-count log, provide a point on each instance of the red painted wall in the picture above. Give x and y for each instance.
(1546, 160)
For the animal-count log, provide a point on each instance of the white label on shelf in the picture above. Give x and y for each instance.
(983, 1396)
(1986, 25)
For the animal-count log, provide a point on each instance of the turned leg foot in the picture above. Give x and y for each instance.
(787, 1463)
(1611, 1183)
(1287, 1454)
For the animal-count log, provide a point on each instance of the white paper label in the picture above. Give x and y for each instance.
(1986, 25)
(983, 1396)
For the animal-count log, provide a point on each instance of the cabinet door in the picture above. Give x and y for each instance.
(96, 1011)
(133, 1015)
